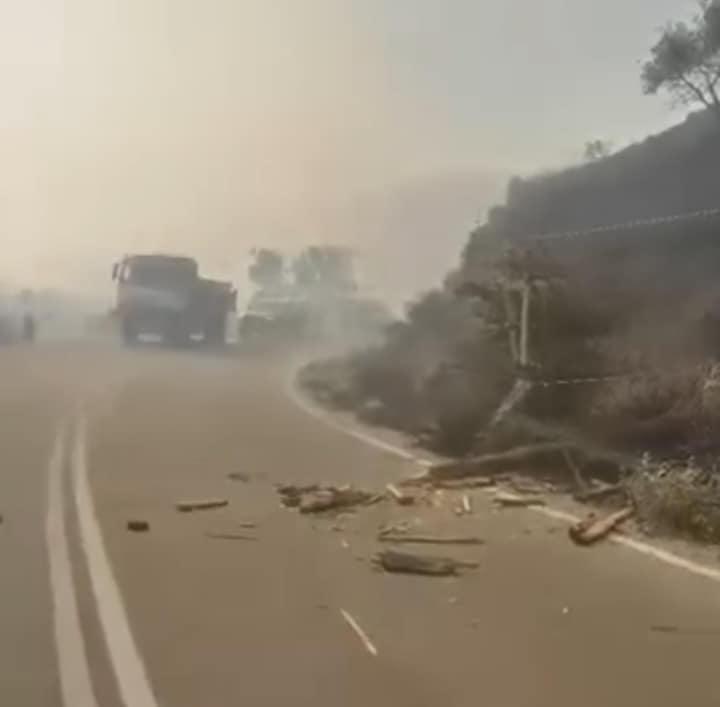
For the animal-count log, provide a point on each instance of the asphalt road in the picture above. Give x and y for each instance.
(91, 614)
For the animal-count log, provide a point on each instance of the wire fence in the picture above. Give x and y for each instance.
(687, 217)
(530, 377)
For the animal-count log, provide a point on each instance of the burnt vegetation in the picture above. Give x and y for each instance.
(624, 321)
(585, 310)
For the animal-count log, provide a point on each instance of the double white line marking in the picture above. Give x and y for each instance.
(75, 679)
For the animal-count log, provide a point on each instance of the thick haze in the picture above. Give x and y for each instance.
(211, 127)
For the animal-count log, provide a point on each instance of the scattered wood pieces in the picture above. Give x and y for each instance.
(332, 498)
(355, 626)
(291, 494)
(294, 490)
(436, 498)
(665, 629)
(201, 504)
(464, 507)
(419, 479)
(460, 484)
(138, 526)
(402, 498)
(528, 458)
(429, 539)
(594, 528)
(229, 536)
(526, 487)
(394, 528)
(239, 476)
(406, 563)
(513, 500)
(317, 501)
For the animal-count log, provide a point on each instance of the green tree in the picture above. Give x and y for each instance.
(685, 61)
(597, 150)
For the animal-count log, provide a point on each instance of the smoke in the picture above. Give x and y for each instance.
(173, 126)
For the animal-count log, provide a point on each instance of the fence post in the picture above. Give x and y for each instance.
(525, 324)
(510, 320)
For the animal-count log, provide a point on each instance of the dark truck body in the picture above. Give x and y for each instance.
(165, 296)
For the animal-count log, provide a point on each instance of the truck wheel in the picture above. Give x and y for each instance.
(129, 332)
(214, 334)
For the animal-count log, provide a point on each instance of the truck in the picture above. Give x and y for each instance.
(273, 319)
(301, 316)
(17, 317)
(165, 296)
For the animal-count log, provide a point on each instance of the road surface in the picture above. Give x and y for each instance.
(93, 437)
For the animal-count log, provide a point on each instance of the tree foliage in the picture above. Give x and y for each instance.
(685, 61)
(267, 270)
(329, 267)
(597, 150)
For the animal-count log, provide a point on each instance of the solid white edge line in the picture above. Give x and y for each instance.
(128, 666)
(368, 439)
(669, 558)
(75, 682)
(355, 626)
(644, 548)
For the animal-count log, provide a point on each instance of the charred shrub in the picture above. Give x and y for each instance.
(677, 500)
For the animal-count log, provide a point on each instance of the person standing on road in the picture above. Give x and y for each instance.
(28, 327)
(28, 320)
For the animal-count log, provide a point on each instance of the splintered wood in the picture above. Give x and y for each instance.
(513, 500)
(292, 495)
(316, 499)
(359, 632)
(229, 536)
(531, 458)
(429, 565)
(201, 504)
(460, 484)
(138, 526)
(594, 528)
(401, 497)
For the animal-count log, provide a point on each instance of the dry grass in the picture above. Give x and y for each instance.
(677, 501)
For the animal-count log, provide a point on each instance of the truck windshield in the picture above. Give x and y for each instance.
(160, 274)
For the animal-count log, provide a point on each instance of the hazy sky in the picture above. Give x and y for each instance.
(210, 126)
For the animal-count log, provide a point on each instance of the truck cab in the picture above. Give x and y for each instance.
(164, 296)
